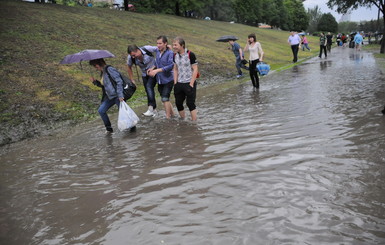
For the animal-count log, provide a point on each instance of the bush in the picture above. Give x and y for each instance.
(102, 4)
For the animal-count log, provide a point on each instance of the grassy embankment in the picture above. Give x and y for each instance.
(380, 58)
(37, 94)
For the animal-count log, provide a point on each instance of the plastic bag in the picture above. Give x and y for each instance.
(127, 117)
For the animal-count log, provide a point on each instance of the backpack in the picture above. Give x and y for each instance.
(188, 52)
(145, 51)
(129, 87)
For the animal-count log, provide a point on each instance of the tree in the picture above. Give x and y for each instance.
(217, 10)
(314, 17)
(248, 11)
(327, 22)
(343, 6)
(275, 14)
(298, 19)
(347, 27)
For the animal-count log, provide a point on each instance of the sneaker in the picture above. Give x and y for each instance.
(109, 130)
(239, 76)
(154, 113)
(148, 113)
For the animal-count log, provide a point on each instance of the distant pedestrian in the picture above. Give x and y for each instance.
(358, 39)
(305, 43)
(239, 57)
(185, 75)
(322, 45)
(256, 55)
(143, 58)
(344, 39)
(163, 72)
(294, 40)
(338, 39)
(112, 93)
(329, 41)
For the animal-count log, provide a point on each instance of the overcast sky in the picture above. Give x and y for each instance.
(356, 15)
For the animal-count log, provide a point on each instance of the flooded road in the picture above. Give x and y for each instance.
(302, 161)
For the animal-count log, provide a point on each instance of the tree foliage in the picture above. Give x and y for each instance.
(314, 15)
(343, 6)
(347, 27)
(297, 17)
(283, 14)
(328, 23)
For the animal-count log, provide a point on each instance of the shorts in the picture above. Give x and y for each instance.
(165, 90)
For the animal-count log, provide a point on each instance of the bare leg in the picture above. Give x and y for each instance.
(194, 115)
(169, 110)
(182, 114)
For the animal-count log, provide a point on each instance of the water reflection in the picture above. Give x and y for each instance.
(325, 64)
(298, 161)
(357, 56)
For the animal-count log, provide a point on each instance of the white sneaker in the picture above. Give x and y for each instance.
(148, 113)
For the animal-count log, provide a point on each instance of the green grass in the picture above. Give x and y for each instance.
(36, 37)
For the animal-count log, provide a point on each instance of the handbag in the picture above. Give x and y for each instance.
(127, 117)
(263, 68)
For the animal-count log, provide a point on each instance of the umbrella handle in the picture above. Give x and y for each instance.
(89, 68)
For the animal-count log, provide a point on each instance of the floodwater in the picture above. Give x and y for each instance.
(302, 161)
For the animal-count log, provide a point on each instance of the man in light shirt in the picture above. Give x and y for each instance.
(294, 41)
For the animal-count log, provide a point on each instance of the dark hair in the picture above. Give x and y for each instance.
(99, 62)
(164, 39)
(132, 48)
(253, 36)
(180, 41)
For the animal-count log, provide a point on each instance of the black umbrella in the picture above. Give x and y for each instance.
(227, 38)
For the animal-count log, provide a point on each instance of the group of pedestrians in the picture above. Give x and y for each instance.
(256, 55)
(325, 43)
(355, 40)
(176, 70)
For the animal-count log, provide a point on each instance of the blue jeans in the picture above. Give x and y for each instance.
(165, 90)
(239, 65)
(104, 107)
(149, 84)
(305, 45)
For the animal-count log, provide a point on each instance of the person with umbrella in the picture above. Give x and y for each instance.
(238, 53)
(239, 57)
(111, 94)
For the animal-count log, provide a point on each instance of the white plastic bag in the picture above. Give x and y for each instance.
(127, 117)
